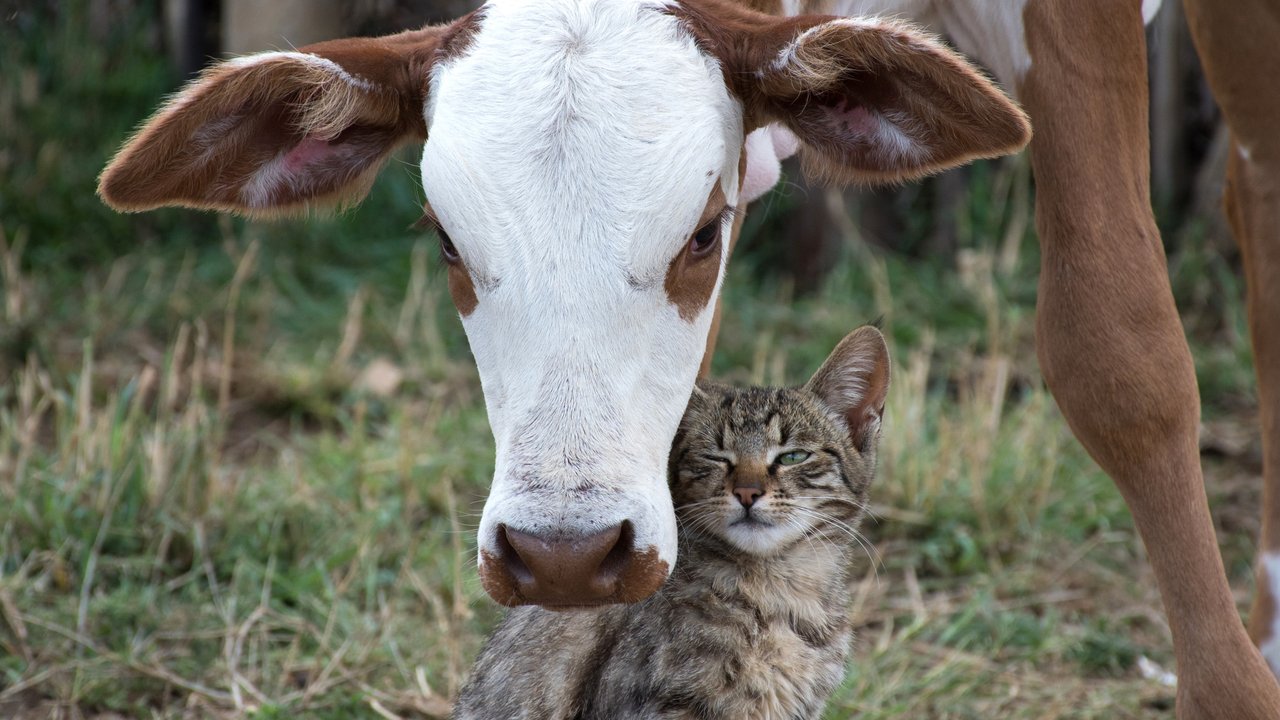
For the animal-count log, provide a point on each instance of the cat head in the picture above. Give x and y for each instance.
(765, 468)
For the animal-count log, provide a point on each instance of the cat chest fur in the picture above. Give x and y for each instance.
(749, 644)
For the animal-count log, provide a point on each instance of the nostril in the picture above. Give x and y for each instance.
(619, 557)
(511, 560)
(748, 495)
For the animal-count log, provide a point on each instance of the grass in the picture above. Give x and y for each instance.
(241, 465)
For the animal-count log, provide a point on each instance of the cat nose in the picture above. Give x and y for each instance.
(747, 494)
(567, 571)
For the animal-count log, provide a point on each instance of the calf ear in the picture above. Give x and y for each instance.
(854, 382)
(871, 99)
(278, 132)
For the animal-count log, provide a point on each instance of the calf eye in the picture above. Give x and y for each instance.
(706, 239)
(794, 457)
(447, 250)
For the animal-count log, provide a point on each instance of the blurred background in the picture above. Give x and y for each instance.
(241, 464)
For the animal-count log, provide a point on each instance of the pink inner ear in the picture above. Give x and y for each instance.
(855, 122)
(306, 152)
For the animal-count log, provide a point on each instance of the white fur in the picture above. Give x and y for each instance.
(314, 60)
(1270, 647)
(571, 152)
(763, 166)
(258, 189)
(1149, 9)
(787, 56)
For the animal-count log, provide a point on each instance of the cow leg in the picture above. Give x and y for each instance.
(1109, 338)
(1240, 57)
(1253, 206)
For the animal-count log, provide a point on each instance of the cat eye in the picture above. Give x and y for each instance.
(794, 457)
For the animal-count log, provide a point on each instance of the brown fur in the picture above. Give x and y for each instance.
(949, 110)
(768, 625)
(203, 147)
(1238, 48)
(691, 279)
(1110, 342)
(462, 288)
(1109, 338)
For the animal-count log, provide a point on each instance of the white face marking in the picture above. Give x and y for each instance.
(571, 152)
(1270, 566)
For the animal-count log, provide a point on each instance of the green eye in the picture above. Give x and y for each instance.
(794, 457)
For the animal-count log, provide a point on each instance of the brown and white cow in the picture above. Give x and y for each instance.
(584, 161)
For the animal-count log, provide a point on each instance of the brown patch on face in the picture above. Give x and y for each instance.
(500, 586)
(461, 288)
(691, 277)
(643, 577)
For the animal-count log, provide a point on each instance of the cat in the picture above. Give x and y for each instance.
(769, 486)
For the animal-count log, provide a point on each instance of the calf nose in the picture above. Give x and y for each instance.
(570, 570)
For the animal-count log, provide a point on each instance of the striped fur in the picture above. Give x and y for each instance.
(753, 622)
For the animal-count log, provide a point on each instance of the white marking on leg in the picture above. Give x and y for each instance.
(1270, 574)
(1149, 10)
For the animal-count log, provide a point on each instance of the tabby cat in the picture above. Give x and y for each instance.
(769, 485)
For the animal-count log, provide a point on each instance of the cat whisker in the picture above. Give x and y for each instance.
(872, 554)
(804, 534)
(701, 522)
(698, 503)
(862, 505)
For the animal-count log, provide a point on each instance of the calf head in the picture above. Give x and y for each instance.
(583, 162)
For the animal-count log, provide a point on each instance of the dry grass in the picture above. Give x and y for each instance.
(223, 527)
(241, 465)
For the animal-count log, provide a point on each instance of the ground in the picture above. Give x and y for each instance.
(241, 465)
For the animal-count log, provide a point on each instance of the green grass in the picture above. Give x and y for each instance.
(241, 465)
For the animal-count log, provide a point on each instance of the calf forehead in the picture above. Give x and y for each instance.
(577, 124)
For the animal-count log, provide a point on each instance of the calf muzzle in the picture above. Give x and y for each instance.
(569, 571)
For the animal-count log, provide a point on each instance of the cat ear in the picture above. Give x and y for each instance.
(854, 382)
(703, 395)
